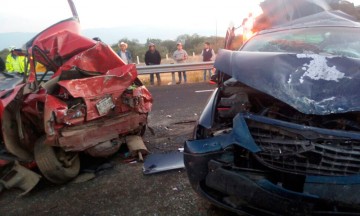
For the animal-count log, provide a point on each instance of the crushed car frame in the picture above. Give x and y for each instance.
(91, 102)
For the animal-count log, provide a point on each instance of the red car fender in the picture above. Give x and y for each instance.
(146, 99)
(53, 108)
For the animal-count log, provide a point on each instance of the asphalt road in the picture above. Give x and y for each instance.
(178, 102)
(123, 189)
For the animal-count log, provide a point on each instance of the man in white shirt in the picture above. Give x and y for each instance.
(180, 56)
(124, 54)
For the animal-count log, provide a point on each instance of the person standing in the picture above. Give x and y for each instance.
(207, 54)
(15, 63)
(153, 57)
(180, 56)
(2, 65)
(124, 54)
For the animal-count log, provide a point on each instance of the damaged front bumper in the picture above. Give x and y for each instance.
(265, 166)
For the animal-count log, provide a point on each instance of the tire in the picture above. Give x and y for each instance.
(47, 159)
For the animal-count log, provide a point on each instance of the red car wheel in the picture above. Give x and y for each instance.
(55, 164)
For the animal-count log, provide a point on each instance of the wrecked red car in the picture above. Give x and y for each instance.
(88, 100)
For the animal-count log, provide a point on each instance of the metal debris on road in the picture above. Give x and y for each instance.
(136, 146)
(161, 162)
(14, 175)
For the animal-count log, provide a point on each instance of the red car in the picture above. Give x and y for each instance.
(91, 101)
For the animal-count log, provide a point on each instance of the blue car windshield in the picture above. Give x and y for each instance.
(339, 41)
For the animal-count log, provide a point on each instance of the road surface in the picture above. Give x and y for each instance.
(123, 189)
(178, 102)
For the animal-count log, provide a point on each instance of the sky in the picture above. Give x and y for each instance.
(35, 15)
(188, 16)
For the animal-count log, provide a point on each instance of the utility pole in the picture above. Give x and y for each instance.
(216, 32)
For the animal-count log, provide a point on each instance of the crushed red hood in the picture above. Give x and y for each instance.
(61, 47)
(91, 87)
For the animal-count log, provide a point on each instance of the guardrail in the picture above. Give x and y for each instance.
(162, 68)
(47, 77)
(166, 68)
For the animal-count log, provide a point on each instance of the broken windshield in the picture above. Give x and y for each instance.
(339, 41)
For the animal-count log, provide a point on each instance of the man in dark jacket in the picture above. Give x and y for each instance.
(2, 65)
(208, 54)
(153, 57)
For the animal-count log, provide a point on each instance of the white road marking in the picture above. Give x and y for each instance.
(202, 91)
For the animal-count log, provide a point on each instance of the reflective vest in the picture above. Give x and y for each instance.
(16, 64)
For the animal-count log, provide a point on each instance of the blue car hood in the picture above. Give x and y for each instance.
(310, 83)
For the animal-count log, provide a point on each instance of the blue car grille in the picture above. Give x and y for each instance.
(291, 152)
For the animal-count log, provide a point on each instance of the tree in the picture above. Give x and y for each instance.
(192, 43)
(170, 45)
(153, 40)
(346, 7)
(159, 46)
(183, 38)
(134, 47)
(217, 42)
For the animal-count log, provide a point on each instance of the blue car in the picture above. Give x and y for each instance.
(281, 133)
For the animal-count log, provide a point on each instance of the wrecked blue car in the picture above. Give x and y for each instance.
(281, 133)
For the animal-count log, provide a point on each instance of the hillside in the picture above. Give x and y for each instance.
(108, 35)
